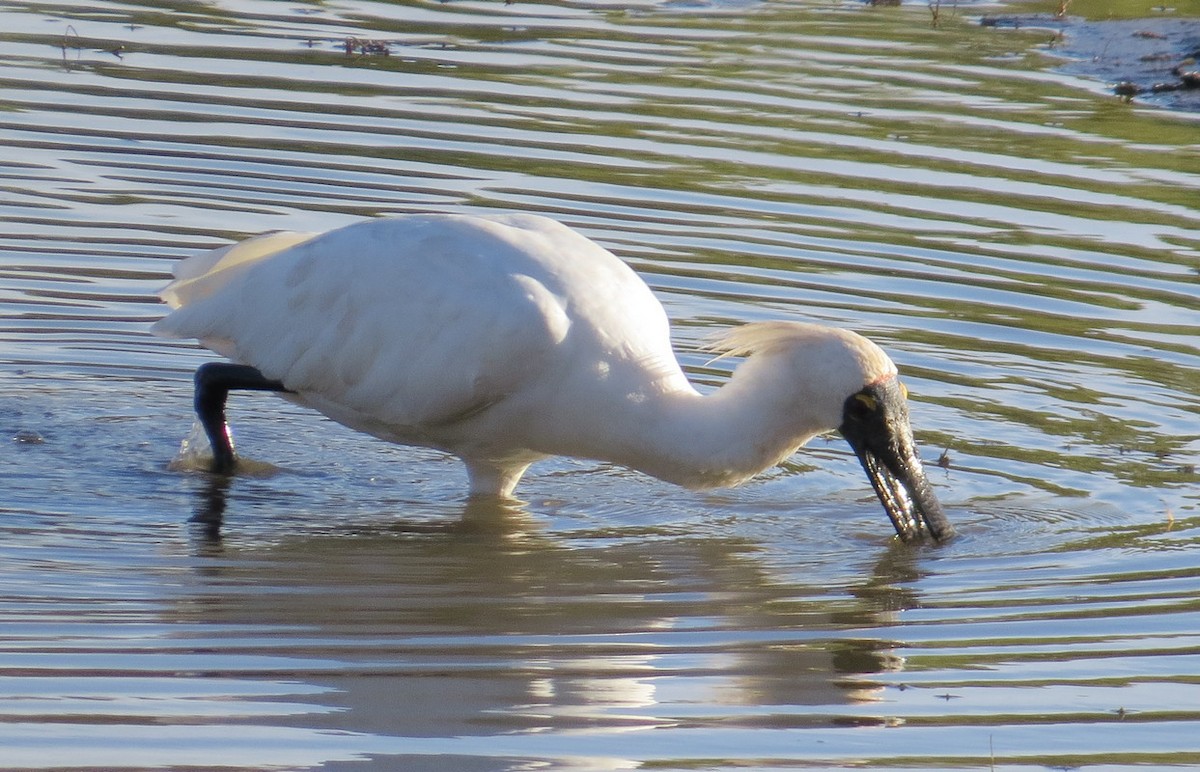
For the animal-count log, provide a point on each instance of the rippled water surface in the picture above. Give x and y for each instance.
(1025, 244)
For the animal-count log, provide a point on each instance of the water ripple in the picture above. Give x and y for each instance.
(1024, 245)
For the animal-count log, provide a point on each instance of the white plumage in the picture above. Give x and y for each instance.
(506, 339)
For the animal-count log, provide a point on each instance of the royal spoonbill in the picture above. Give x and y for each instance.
(505, 339)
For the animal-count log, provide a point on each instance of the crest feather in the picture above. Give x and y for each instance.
(821, 345)
(758, 337)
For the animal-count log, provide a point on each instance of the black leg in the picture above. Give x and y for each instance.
(214, 381)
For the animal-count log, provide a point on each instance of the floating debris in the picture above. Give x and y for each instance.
(1025, 21)
(365, 47)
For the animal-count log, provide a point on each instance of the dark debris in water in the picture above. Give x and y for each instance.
(1024, 21)
(28, 437)
(1156, 58)
(364, 47)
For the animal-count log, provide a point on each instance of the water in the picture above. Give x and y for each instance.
(1025, 244)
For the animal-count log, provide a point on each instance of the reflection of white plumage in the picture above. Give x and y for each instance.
(506, 339)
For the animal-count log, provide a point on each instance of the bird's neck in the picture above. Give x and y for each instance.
(721, 438)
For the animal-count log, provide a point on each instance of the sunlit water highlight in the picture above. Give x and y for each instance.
(1024, 244)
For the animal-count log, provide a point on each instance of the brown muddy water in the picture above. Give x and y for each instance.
(1025, 244)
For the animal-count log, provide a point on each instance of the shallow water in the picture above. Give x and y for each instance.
(1024, 243)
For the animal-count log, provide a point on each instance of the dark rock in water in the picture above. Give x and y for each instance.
(1024, 21)
(1154, 58)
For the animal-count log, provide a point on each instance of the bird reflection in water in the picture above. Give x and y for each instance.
(520, 630)
(211, 500)
(478, 514)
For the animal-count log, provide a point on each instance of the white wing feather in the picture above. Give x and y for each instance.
(398, 326)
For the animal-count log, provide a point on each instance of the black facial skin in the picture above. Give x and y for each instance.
(875, 423)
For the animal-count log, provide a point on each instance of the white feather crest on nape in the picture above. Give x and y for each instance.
(760, 337)
(815, 343)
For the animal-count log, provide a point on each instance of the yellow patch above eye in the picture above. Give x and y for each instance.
(903, 389)
(867, 400)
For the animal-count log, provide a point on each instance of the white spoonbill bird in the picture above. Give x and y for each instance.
(506, 339)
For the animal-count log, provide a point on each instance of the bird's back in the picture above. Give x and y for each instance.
(406, 327)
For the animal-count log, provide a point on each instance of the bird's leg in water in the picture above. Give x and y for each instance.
(214, 381)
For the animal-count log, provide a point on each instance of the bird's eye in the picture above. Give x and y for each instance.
(863, 404)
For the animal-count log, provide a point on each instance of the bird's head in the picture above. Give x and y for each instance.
(841, 380)
(875, 423)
